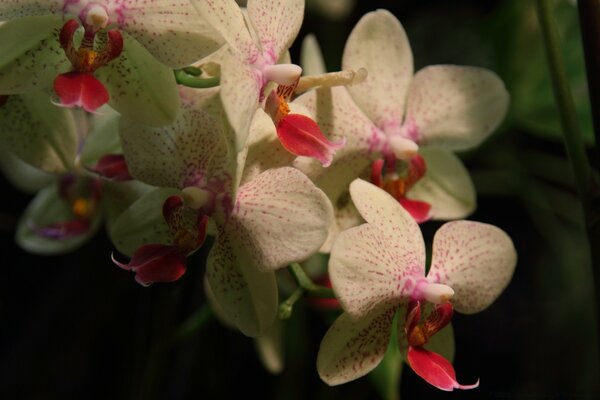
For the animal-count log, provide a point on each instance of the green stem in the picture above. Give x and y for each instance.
(184, 77)
(308, 285)
(285, 308)
(193, 324)
(587, 185)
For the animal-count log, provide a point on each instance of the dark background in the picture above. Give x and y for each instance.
(76, 326)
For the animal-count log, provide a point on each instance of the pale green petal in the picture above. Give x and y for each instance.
(22, 175)
(270, 348)
(46, 208)
(247, 296)
(25, 8)
(446, 186)
(140, 87)
(38, 132)
(352, 348)
(30, 55)
(277, 23)
(226, 17)
(311, 57)
(142, 222)
(455, 107)
(280, 218)
(378, 43)
(172, 31)
(103, 137)
(184, 153)
(476, 260)
(240, 91)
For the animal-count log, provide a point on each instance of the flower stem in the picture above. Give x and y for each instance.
(285, 308)
(585, 179)
(308, 285)
(192, 78)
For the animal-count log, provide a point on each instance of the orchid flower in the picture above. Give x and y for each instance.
(275, 218)
(70, 151)
(118, 41)
(379, 267)
(250, 64)
(409, 122)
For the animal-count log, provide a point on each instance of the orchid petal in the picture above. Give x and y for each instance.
(190, 150)
(446, 186)
(140, 87)
(25, 8)
(217, 310)
(346, 217)
(270, 348)
(301, 136)
(75, 89)
(336, 113)
(171, 31)
(277, 23)
(227, 18)
(281, 218)
(49, 207)
(155, 263)
(419, 210)
(112, 167)
(142, 222)
(264, 148)
(38, 132)
(240, 93)
(366, 270)
(401, 232)
(30, 55)
(477, 260)
(455, 107)
(435, 369)
(351, 348)
(103, 137)
(378, 43)
(23, 176)
(311, 56)
(247, 296)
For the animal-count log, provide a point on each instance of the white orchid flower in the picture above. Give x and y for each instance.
(276, 218)
(379, 267)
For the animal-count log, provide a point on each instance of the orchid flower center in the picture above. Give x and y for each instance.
(186, 225)
(397, 177)
(419, 331)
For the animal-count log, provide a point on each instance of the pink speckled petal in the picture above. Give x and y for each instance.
(30, 55)
(401, 231)
(446, 186)
(172, 31)
(240, 93)
(276, 22)
(336, 114)
(455, 107)
(26, 8)
(352, 348)
(311, 57)
(366, 270)
(226, 17)
(189, 151)
(38, 132)
(246, 295)
(346, 217)
(140, 87)
(379, 44)
(281, 218)
(477, 260)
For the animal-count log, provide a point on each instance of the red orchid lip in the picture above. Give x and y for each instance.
(112, 167)
(155, 263)
(80, 89)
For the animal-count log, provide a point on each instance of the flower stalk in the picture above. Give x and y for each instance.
(585, 178)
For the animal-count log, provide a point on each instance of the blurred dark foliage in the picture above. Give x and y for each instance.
(77, 327)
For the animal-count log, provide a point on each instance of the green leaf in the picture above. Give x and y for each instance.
(46, 208)
(140, 87)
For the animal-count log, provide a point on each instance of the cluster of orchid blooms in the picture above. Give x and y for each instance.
(271, 159)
